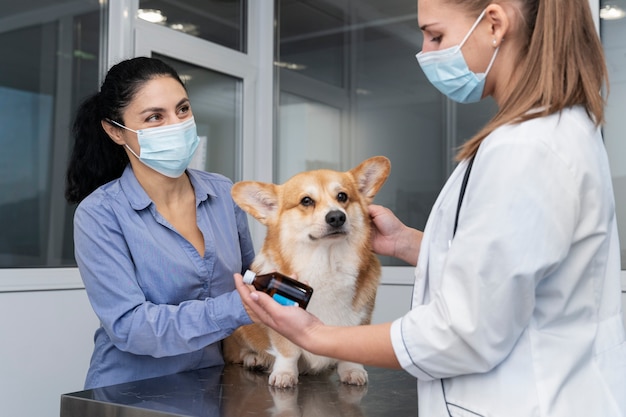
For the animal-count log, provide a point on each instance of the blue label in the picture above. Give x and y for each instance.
(284, 300)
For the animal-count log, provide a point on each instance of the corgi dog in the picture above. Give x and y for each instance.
(318, 231)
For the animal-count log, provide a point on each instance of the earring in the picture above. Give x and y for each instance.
(495, 42)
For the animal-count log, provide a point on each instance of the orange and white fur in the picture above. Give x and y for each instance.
(318, 231)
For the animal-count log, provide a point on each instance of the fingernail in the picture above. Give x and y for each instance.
(254, 296)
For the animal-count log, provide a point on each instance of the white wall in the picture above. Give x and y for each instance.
(45, 349)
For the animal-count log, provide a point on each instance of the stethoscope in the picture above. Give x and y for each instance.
(456, 223)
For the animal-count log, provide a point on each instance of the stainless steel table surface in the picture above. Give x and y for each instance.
(232, 391)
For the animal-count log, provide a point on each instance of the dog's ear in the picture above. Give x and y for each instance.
(371, 174)
(259, 199)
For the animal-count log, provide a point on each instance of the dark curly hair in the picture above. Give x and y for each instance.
(95, 158)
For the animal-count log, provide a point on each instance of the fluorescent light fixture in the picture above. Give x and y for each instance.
(188, 28)
(611, 12)
(151, 15)
(290, 65)
(185, 77)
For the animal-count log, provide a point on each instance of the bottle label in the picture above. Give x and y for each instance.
(284, 300)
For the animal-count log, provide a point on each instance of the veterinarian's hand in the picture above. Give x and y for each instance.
(294, 323)
(391, 237)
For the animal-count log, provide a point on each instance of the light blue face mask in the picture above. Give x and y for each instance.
(448, 72)
(167, 149)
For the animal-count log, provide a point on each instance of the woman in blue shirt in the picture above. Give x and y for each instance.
(156, 243)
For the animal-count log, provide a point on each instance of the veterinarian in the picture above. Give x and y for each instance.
(516, 306)
(156, 243)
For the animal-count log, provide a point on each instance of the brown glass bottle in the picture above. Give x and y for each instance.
(286, 291)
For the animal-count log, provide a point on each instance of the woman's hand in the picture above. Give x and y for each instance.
(294, 323)
(366, 344)
(391, 237)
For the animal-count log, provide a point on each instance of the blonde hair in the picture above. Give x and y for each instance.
(560, 65)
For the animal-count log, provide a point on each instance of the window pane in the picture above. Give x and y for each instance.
(41, 83)
(613, 33)
(216, 102)
(312, 39)
(218, 21)
(383, 105)
(309, 136)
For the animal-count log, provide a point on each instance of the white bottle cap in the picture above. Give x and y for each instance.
(248, 277)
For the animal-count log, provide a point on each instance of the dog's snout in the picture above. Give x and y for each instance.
(336, 218)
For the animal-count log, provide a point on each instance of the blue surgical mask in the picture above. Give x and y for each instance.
(447, 70)
(167, 149)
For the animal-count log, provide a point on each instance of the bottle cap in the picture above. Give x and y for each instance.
(248, 277)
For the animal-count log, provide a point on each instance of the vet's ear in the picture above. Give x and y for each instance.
(258, 199)
(371, 174)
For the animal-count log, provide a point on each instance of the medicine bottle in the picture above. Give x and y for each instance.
(286, 291)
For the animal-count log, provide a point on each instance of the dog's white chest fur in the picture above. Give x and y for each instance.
(333, 276)
(333, 279)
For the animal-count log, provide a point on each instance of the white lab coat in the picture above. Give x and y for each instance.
(520, 313)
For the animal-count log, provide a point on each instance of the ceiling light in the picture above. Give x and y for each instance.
(610, 12)
(188, 28)
(78, 54)
(290, 65)
(151, 15)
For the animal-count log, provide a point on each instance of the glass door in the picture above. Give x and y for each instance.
(612, 24)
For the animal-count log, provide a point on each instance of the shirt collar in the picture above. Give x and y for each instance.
(139, 199)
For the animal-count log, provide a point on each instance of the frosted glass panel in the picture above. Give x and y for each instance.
(309, 136)
(613, 33)
(49, 62)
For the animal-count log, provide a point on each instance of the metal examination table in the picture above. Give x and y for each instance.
(232, 391)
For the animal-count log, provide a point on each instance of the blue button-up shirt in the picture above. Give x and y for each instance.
(163, 307)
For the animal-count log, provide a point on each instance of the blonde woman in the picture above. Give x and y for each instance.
(516, 306)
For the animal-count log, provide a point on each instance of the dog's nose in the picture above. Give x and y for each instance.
(336, 218)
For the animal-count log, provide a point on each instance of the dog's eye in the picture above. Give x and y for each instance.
(342, 197)
(307, 201)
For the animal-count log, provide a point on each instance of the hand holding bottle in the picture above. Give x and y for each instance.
(296, 324)
(285, 290)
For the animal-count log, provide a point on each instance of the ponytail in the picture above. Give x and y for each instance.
(95, 159)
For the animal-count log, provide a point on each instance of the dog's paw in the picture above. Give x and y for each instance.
(353, 375)
(283, 379)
